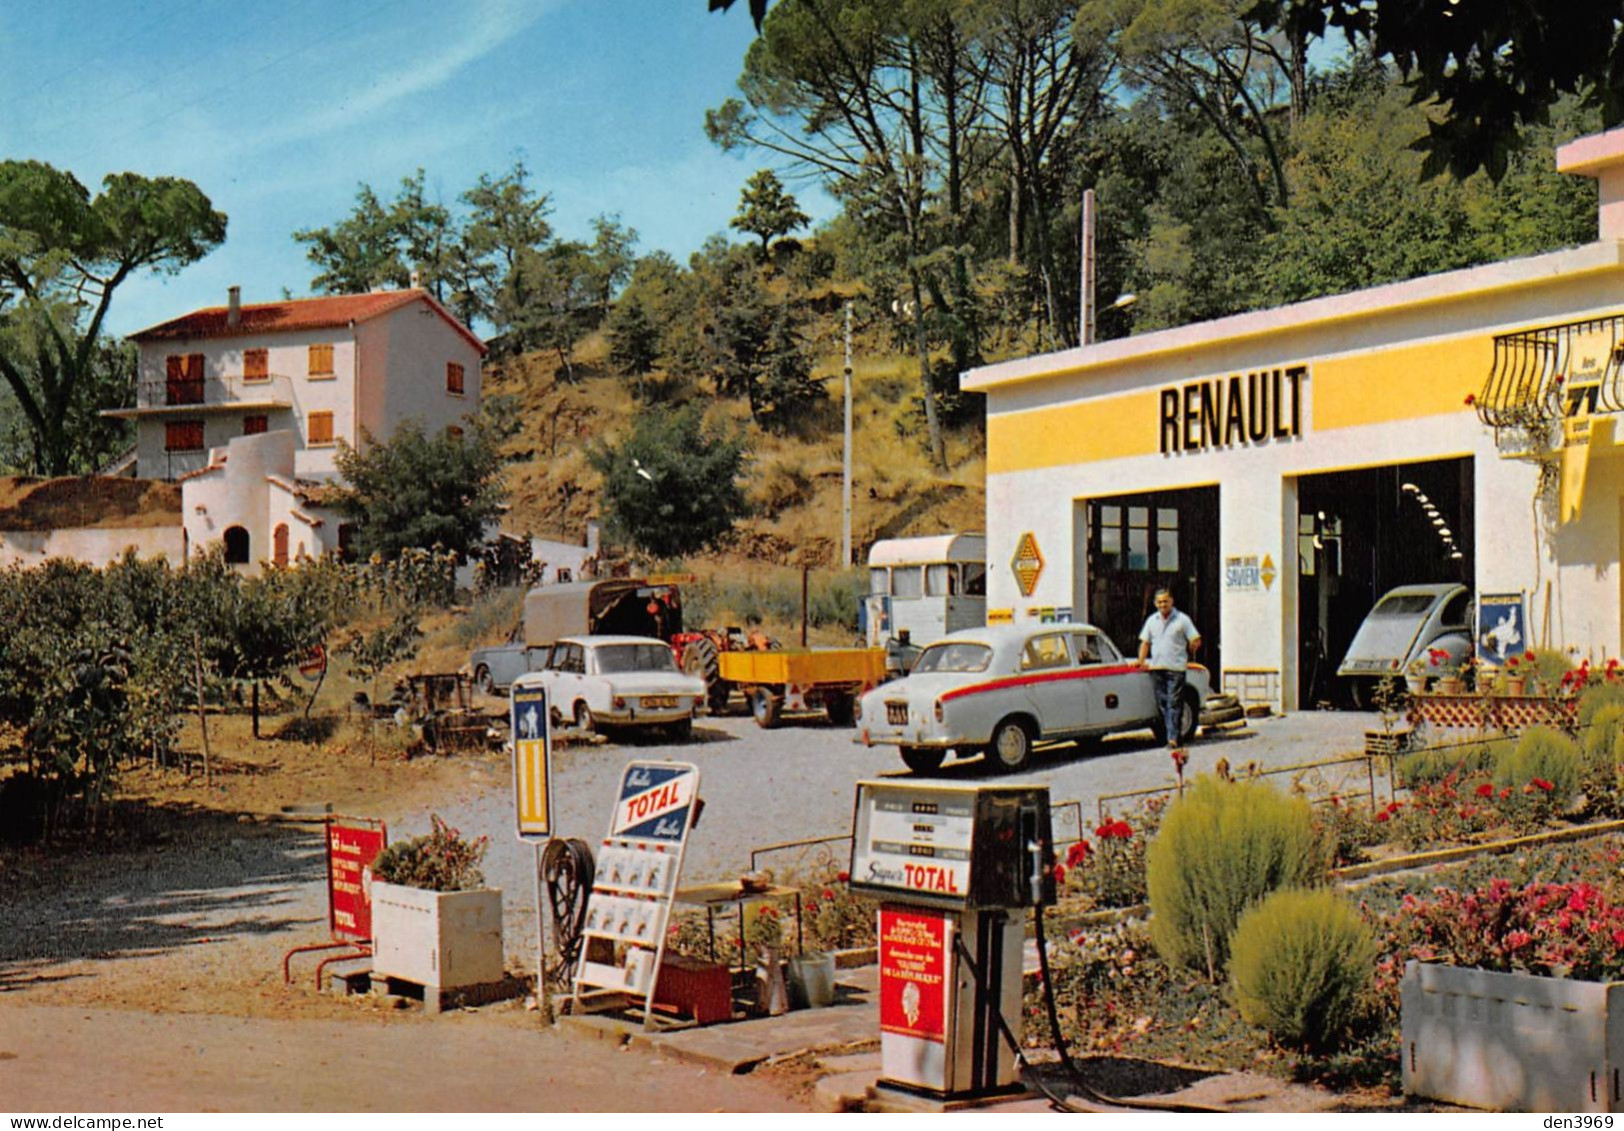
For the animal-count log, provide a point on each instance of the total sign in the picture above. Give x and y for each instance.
(656, 801)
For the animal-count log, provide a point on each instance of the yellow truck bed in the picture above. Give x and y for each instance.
(783, 667)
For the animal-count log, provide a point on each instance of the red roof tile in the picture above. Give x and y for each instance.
(295, 314)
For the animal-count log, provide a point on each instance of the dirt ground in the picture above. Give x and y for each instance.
(198, 884)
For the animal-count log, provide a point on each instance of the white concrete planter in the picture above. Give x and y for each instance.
(1512, 1042)
(445, 939)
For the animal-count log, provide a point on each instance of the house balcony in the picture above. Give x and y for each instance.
(163, 398)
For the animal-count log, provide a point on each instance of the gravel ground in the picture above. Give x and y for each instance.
(797, 782)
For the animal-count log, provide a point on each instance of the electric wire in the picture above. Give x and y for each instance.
(1089, 1093)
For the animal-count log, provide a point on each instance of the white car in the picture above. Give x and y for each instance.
(997, 690)
(617, 681)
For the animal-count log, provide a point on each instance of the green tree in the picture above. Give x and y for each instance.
(63, 255)
(672, 486)
(634, 339)
(383, 245)
(506, 219)
(1494, 68)
(416, 490)
(766, 210)
(549, 300)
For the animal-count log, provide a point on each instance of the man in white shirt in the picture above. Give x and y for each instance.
(1166, 644)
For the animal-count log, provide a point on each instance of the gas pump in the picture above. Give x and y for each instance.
(954, 866)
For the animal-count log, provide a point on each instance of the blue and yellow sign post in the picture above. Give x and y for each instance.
(532, 735)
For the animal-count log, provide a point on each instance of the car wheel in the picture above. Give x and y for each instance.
(1189, 716)
(1359, 694)
(556, 715)
(922, 760)
(483, 681)
(764, 706)
(583, 718)
(1011, 744)
(840, 709)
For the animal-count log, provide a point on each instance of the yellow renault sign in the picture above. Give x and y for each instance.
(1028, 563)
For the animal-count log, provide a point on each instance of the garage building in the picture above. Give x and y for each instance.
(1280, 470)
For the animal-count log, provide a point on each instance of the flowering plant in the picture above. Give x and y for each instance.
(440, 861)
(1541, 928)
(834, 917)
(763, 929)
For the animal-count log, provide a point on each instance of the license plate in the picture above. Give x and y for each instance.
(656, 702)
(896, 714)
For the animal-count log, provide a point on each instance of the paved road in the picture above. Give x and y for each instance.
(797, 782)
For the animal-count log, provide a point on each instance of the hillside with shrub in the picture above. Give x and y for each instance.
(564, 426)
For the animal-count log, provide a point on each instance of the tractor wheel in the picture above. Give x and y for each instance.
(699, 659)
(483, 681)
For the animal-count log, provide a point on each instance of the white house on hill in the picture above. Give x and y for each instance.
(246, 406)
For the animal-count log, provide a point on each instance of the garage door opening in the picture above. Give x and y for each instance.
(1361, 533)
(1139, 543)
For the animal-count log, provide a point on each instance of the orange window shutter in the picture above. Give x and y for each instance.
(174, 367)
(194, 367)
(321, 428)
(256, 364)
(321, 359)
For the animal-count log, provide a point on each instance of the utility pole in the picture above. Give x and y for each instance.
(845, 460)
(1085, 323)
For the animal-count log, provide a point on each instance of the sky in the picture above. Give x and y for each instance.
(280, 111)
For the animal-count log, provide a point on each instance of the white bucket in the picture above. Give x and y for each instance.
(811, 981)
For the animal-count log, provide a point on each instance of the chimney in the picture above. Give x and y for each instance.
(416, 279)
(233, 306)
(1600, 156)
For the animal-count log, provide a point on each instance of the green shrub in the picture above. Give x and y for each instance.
(1598, 767)
(1549, 666)
(1222, 847)
(1301, 964)
(1544, 765)
(1597, 696)
(1433, 765)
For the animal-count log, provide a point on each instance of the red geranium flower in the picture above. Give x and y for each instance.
(1542, 784)
(1384, 815)
(1059, 873)
(1486, 790)
(1078, 853)
(1471, 398)
(844, 877)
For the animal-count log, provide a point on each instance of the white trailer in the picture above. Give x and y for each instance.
(921, 589)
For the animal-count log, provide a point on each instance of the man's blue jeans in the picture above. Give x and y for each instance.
(1169, 686)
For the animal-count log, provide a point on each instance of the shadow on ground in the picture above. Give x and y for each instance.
(164, 877)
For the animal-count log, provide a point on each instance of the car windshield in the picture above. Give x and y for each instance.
(954, 657)
(635, 658)
(1404, 605)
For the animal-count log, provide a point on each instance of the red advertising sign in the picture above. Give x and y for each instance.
(353, 843)
(915, 958)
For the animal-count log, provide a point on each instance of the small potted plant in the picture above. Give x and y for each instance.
(1448, 682)
(434, 922)
(764, 940)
